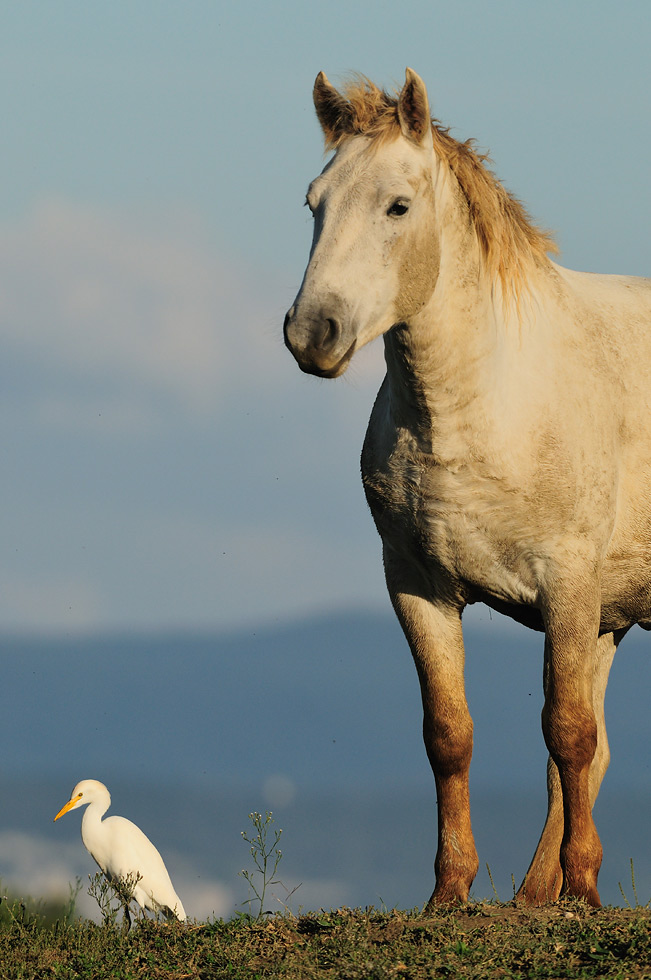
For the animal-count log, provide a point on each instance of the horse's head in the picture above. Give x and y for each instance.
(375, 251)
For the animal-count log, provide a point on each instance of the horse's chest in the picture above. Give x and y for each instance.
(394, 494)
(442, 521)
(414, 510)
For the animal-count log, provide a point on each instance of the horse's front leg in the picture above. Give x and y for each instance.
(570, 730)
(434, 635)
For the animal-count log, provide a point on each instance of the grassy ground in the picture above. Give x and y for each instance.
(487, 940)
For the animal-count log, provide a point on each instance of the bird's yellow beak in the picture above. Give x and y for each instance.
(69, 805)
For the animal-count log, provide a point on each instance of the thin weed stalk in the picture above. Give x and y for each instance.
(263, 847)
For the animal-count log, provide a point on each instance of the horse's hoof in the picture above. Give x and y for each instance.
(588, 893)
(538, 891)
(452, 893)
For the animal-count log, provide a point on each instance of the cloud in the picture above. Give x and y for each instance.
(164, 454)
(40, 599)
(147, 308)
(32, 867)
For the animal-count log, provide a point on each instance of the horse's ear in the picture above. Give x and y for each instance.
(333, 111)
(413, 109)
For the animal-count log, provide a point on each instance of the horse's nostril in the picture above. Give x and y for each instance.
(331, 333)
(311, 336)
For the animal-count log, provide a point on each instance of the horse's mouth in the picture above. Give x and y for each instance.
(311, 362)
(339, 368)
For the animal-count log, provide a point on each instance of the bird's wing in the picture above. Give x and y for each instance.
(132, 853)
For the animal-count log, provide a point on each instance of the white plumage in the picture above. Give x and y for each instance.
(121, 849)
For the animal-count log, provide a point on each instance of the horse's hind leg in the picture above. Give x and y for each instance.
(544, 878)
(435, 638)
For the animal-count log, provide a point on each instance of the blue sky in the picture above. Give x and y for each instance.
(165, 464)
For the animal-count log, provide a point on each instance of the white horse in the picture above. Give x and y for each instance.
(508, 454)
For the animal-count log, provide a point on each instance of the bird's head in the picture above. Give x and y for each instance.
(87, 791)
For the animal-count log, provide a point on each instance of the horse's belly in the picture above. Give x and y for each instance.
(626, 589)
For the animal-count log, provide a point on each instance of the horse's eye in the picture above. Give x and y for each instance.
(397, 209)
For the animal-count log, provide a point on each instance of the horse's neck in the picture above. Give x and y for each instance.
(423, 398)
(437, 364)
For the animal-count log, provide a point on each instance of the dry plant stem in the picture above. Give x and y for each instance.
(266, 858)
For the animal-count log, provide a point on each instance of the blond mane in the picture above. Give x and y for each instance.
(508, 238)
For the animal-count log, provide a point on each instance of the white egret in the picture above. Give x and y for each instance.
(122, 850)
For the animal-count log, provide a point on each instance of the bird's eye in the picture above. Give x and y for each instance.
(397, 209)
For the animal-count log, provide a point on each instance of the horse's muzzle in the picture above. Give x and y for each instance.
(318, 344)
